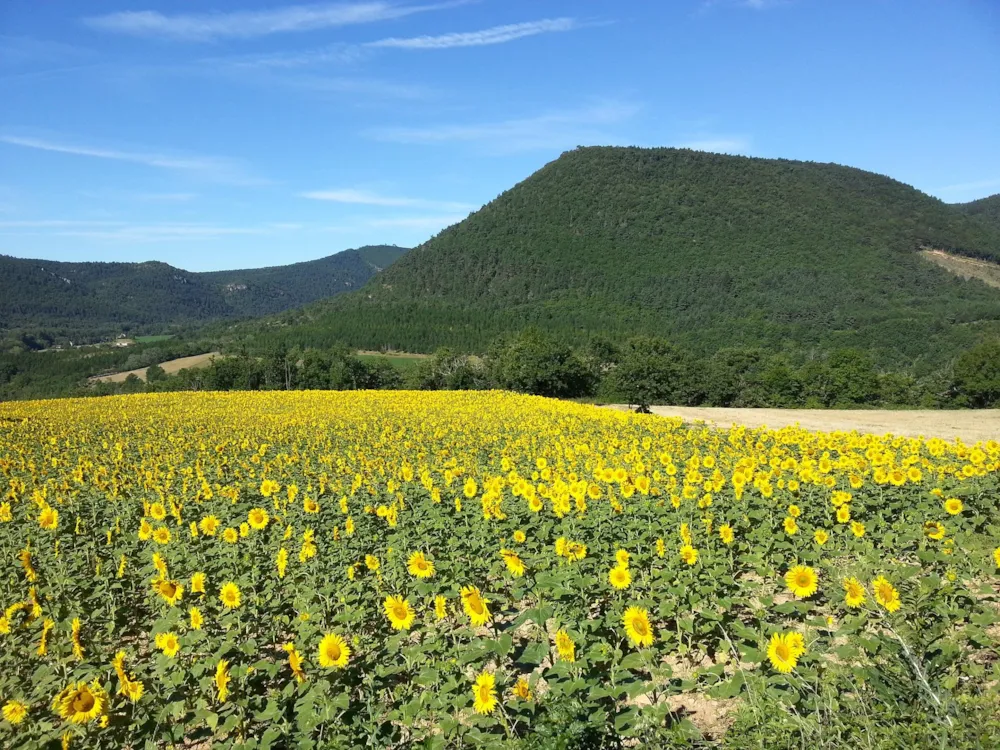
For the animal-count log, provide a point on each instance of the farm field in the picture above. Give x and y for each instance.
(483, 569)
(969, 425)
(169, 367)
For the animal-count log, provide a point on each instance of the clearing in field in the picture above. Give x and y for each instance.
(170, 367)
(483, 569)
(968, 268)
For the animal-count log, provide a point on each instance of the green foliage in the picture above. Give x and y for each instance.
(985, 209)
(708, 251)
(977, 376)
(83, 302)
(533, 362)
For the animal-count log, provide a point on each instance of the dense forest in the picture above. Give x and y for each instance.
(709, 251)
(42, 302)
(985, 209)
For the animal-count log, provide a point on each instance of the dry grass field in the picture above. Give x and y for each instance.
(968, 424)
(170, 367)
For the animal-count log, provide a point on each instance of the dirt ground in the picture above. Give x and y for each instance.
(169, 367)
(968, 424)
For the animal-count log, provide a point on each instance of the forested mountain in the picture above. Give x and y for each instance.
(710, 251)
(54, 300)
(985, 209)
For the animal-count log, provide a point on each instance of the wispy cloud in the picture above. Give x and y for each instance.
(556, 129)
(121, 231)
(367, 198)
(430, 223)
(212, 168)
(967, 186)
(494, 35)
(203, 27)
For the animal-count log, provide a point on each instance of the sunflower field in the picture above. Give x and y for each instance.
(404, 569)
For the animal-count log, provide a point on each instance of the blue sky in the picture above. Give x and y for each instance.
(237, 133)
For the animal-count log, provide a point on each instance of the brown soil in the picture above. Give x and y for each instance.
(967, 268)
(969, 425)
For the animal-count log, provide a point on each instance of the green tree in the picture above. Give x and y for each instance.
(977, 376)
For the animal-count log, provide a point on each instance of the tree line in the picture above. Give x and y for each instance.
(640, 371)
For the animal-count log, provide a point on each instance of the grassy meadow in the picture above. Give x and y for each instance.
(483, 569)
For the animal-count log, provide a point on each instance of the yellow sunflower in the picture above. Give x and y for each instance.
(620, 577)
(14, 711)
(783, 653)
(420, 566)
(209, 525)
(886, 594)
(520, 536)
(689, 554)
(399, 612)
(231, 535)
(258, 518)
(334, 651)
(196, 618)
(513, 562)
(170, 591)
(198, 583)
(230, 595)
(953, 506)
(222, 680)
(484, 693)
(168, 643)
(934, 530)
(821, 537)
(854, 592)
(522, 689)
(475, 605)
(802, 581)
(80, 703)
(162, 535)
(565, 646)
(726, 533)
(440, 610)
(637, 627)
(48, 518)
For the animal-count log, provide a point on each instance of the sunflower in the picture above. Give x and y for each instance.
(209, 525)
(168, 643)
(794, 511)
(439, 607)
(198, 583)
(231, 535)
(230, 595)
(282, 562)
(821, 537)
(162, 535)
(310, 506)
(48, 518)
(802, 581)
(858, 529)
(399, 612)
(80, 703)
(244, 529)
(420, 566)
(14, 711)
(475, 605)
(268, 487)
(520, 536)
(996, 557)
(689, 554)
(621, 557)
(565, 646)
(886, 594)
(196, 619)
(258, 518)
(222, 680)
(513, 562)
(620, 577)
(854, 592)
(783, 652)
(844, 513)
(953, 506)
(522, 689)
(170, 591)
(485, 694)
(372, 563)
(791, 527)
(334, 651)
(637, 627)
(726, 533)
(934, 530)
(661, 548)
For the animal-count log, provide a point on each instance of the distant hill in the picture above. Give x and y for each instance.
(985, 209)
(708, 250)
(93, 300)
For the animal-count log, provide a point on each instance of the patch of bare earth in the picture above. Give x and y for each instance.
(969, 425)
(967, 268)
(170, 367)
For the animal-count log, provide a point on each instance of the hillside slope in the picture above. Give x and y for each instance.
(91, 300)
(709, 250)
(984, 209)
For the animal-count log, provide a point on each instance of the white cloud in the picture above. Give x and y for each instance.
(213, 168)
(432, 223)
(494, 35)
(162, 232)
(367, 198)
(202, 27)
(557, 129)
